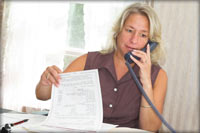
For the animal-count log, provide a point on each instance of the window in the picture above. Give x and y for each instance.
(76, 26)
(75, 33)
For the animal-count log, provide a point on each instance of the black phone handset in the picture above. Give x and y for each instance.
(152, 47)
(128, 62)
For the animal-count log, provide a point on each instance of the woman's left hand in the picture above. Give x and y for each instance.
(144, 64)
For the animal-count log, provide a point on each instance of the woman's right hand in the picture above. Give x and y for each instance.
(50, 76)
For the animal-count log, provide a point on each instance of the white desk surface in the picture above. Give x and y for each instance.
(33, 119)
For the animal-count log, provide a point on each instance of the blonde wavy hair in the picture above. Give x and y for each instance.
(158, 53)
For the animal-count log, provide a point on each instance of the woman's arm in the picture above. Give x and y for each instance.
(51, 76)
(148, 120)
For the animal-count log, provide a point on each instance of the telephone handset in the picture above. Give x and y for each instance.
(152, 47)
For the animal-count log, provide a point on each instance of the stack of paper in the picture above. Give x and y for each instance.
(76, 104)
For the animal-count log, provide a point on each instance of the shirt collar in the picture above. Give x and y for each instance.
(108, 63)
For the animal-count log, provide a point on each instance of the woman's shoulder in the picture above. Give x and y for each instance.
(94, 59)
(78, 64)
(96, 54)
(158, 69)
(89, 60)
(156, 72)
(162, 73)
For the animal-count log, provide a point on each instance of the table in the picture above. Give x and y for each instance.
(10, 116)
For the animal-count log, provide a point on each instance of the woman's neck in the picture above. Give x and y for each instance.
(119, 57)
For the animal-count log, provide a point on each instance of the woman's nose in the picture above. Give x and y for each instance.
(134, 38)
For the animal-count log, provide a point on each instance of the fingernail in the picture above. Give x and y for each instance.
(57, 84)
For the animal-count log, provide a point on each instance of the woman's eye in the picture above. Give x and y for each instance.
(128, 30)
(143, 35)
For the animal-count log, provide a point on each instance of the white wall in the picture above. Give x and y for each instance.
(180, 26)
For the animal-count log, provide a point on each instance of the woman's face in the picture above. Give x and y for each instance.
(134, 34)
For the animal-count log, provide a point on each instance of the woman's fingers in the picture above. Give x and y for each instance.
(136, 61)
(51, 75)
(44, 79)
(148, 51)
(142, 55)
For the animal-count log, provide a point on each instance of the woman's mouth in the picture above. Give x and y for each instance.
(129, 48)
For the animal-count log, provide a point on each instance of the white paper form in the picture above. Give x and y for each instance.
(77, 102)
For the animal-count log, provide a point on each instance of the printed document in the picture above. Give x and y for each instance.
(77, 102)
(76, 107)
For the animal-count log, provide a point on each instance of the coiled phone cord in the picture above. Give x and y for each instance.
(147, 98)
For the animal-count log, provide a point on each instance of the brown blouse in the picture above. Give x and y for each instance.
(121, 98)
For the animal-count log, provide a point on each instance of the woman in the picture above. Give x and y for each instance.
(123, 104)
